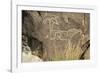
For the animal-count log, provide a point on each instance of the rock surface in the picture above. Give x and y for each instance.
(28, 57)
(61, 34)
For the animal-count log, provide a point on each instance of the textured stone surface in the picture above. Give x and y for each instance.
(61, 33)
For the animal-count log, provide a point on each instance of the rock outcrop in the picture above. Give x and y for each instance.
(56, 35)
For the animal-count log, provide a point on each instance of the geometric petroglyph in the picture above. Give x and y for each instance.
(56, 32)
